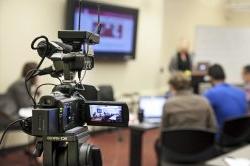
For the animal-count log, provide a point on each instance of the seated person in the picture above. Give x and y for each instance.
(10, 103)
(185, 109)
(246, 79)
(227, 101)
(17, 90)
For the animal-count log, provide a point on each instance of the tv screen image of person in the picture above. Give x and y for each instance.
(119, 28)
(105, 113)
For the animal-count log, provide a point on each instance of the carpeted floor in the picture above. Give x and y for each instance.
(114, 146)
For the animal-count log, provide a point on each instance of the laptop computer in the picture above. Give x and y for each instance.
(203, 66)
(152, 107)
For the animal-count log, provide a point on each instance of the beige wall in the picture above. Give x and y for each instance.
(238, 19)
(20, 22)
(162, 23)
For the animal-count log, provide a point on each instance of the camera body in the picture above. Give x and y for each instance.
(65, 109)
(56, 114)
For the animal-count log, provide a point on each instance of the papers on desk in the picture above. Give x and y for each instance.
(133, 120)
(236, 161)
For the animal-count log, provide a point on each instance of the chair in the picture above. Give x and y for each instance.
(234, 132)
(187, 145)
(89, 92)
(106, 93)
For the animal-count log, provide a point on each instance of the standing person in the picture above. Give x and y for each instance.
(246, 79)
(17, 90)
(227, 101)
(182, 60)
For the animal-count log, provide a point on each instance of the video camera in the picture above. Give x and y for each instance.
(60, 118)
(72, 104)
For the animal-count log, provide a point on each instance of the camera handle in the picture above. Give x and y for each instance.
(69, 148)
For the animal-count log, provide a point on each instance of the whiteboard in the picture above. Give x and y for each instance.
(229, 47)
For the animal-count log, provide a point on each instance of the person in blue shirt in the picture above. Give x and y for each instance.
(227, 101)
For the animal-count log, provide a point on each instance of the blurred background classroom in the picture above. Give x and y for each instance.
(182, 67)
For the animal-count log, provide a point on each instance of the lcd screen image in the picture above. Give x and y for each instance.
(105, 113)
(116, 33)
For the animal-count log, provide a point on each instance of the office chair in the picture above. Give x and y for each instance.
(234, 132)
(90, 92)
(187, 146)
(106, 93)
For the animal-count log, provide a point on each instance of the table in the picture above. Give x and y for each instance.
(242, 152)
(197, 78)
(137, 131)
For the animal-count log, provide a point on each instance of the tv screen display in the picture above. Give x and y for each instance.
(119, 27)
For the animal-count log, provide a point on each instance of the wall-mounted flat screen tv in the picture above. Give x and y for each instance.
(119, 27)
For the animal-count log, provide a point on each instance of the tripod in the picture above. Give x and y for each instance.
(69, 149)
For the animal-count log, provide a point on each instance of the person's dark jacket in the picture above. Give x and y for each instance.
(174, 63)
(18, 92)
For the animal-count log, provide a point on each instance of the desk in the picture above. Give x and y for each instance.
(197, 78)
(239, 153)
(219, 161)
(136, 134)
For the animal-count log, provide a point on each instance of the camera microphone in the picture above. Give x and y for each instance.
(47, 49)
(50, 70)
(66, 48)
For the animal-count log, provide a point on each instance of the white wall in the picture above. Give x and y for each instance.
(21, 21)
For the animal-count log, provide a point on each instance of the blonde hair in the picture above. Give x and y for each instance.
(183, 45)
(179, 81)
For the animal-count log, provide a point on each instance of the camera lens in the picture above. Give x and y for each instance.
(90, 155)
